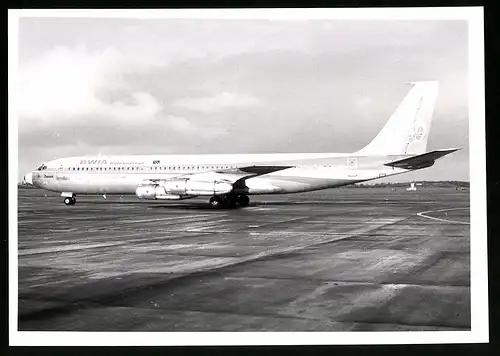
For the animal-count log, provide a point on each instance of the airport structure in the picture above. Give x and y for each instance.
(413, 186)
(230, 179)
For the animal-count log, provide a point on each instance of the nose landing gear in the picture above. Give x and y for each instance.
(69, 198)
(69, 201)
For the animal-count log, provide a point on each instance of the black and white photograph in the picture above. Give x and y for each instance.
(312, 176)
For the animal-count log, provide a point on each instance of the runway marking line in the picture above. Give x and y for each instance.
(423, 214)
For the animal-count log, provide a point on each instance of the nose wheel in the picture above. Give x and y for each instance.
(69, 201)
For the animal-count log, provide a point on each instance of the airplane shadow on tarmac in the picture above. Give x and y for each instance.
(206, 206)
(265, 204)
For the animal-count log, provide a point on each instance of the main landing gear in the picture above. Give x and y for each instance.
(229, 201)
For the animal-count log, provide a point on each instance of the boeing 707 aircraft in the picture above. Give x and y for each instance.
(229, 179)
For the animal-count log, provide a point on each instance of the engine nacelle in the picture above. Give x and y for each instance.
(192, 187)
(154, 191)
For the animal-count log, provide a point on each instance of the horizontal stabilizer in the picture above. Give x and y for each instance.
(421, 161)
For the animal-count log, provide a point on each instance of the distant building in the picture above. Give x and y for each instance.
(411, 187)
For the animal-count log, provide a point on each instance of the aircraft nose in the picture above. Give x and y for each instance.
(28, 178)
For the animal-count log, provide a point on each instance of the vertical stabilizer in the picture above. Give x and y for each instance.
(407, 130)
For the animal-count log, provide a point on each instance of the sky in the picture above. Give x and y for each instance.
(190, 86)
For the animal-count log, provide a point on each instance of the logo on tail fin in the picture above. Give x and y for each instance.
(418, 134)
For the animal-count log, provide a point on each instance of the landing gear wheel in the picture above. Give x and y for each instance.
(69, 201)
(215, 202)
(243, 200)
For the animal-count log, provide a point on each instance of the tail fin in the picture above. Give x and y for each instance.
(407, 130)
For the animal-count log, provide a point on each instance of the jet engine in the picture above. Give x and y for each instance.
(154, 191)
(193, 187)
(181, 189)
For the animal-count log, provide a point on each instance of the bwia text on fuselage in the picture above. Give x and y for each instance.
(229, 179)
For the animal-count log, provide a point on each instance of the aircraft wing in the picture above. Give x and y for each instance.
(253, 170)
(234, 175)
(421, 161)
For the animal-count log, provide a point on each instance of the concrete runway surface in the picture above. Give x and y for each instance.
(344, 259)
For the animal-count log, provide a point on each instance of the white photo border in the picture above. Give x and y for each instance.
(479, 332)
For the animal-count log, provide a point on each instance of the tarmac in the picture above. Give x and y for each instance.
(345, 259)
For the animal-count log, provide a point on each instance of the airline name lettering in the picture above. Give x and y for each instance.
(93, 161)
(104, 161)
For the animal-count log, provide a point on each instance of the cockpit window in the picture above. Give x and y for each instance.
(42, 167)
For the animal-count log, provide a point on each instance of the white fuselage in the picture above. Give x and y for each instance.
(123, 174)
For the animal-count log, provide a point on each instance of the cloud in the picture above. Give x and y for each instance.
(217, 102)
(66, 83)
(185, 127)
(181, 124)
(141, 106)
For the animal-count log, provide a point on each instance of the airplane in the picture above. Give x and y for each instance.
(229, 179)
